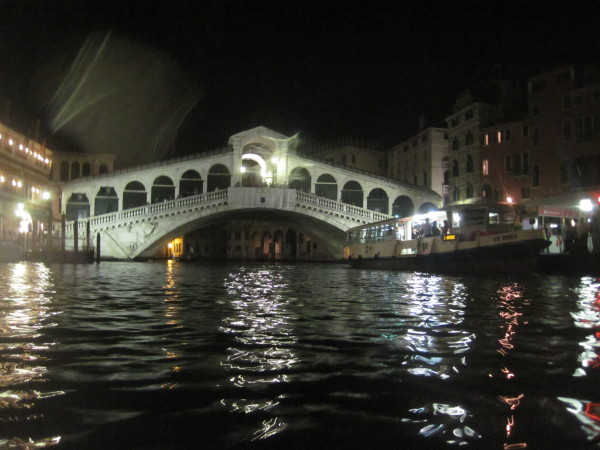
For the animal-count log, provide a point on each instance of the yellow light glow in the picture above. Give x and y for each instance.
(242, 169)
(46, 195)
(509, 199)
(10, 142)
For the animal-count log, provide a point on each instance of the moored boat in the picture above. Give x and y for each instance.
(479, 238)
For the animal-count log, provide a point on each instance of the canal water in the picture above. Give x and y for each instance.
(166, 355)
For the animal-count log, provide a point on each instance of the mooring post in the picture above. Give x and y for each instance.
(98, 239)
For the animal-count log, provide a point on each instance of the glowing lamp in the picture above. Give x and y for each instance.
(586, 205)
(243, 169)
(46, 195)
(509, 199)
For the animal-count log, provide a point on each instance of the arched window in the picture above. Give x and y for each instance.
(163, 189)
(352, 194)
(103, 169)
(134, 195)
(326, 186)
(300, 179)
(455, 168)
(190, 184)
(403, 207)
(469, 138)
(469, 163)
(218, 178)
(378, 201)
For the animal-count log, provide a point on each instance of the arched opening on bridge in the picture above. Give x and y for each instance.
(106, 201)
(191, 183)
(278, 245)
(300, 179)
(290, 247)
(163, 189)
(78, 207)
(134, 195)
(218, 178)
(86, 170)
(378, 201)
(267, 246)
(75, 170)
(326, 186)
(403, 207)
(427, 207)
(251, 173)
(352, 193)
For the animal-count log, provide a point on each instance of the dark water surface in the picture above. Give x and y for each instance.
(168, 355)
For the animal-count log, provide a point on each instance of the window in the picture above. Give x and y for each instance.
(517, 165)
(469, 163)
(469, 190)
(507, 164)
(415, 143)
(455, 194)
(469, 138)
(455, 168)
(424, 138)
(536, 137)
(454, 121)
(343, 159)
(499, 136)
(406, 147)
(455, 144)
(425, 180)
(353, 159)
(535, 181)
(507, 134)
(469, 114)
(567, 130)
(525, 193)
(486, 139)
(485, 167)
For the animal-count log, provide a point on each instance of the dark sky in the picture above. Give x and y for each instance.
(326, 69)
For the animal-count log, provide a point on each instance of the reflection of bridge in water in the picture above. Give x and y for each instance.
(253, 200)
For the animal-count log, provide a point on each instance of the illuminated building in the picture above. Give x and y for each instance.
(26, 191)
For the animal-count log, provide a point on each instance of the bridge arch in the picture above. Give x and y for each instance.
(190, 183)
(218, 178)
(403, 206)
(78, 207)
(378, 201)
(106, 201)
(326, 186)
(353, 194)
(300, 179)
(163, 189)
(427, 207)
(134, 195)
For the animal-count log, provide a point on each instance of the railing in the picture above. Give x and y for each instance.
(367, 215)
(216, 198)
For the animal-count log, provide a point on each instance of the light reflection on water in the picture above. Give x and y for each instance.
(24, 312)
(170, 355)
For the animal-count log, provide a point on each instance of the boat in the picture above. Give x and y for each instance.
(479, 238)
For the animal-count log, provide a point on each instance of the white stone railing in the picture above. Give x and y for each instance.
(216, 198)
(365, 215)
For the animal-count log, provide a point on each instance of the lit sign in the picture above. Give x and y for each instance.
(449, 237)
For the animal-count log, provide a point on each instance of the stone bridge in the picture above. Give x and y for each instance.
(137, 211)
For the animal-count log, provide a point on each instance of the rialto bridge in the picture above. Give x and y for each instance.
(256, 199)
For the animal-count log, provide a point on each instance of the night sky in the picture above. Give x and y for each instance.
(180, 77)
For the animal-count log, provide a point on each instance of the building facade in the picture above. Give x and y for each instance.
(422, 160)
